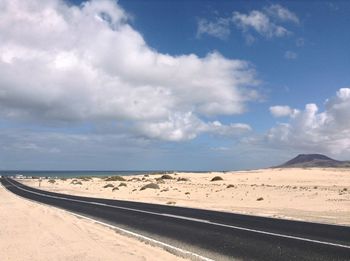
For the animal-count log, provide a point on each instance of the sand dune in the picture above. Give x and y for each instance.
(30, 231)
(321, 195)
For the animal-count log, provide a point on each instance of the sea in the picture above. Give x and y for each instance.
(77, 173)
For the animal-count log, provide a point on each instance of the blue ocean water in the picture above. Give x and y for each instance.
(74, 173)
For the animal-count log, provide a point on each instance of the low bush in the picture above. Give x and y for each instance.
(160, 180)
(150, 186)
(166, 176)
(217, 178)
(135, 179)
(183, 179)
(83, 178)
(76, 182)
(115, 178)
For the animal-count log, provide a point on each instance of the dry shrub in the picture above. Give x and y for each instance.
(217, 178)
(150, 186)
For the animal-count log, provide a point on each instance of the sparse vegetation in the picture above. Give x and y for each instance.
(115, 188)
(52, 181)
(216, 178)
(183, 179)
(150, 186)
(187, 193)
(171, 203)
(230, 186)
(166, 176)
(115, 178)
(108, 186)
(260, 199)
(122, 184)
(76, 182)
(84, 178)
(160, 180)
(135, 179)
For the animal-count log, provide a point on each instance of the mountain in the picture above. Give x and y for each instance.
(314, 161)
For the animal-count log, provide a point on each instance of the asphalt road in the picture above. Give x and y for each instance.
(213, 234)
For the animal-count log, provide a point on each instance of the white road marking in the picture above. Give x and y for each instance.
(186, 218)
(193, 219)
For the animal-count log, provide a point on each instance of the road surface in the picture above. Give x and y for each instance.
(211, 234)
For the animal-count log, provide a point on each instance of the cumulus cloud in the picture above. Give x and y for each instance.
(185, 127)
(282, 111)
(219, 28)
(62, 63)
(311, 130)
(259, 22)
(265, 22)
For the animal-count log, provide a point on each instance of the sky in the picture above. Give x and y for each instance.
(172, 85)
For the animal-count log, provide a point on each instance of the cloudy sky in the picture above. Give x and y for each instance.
(187, 85)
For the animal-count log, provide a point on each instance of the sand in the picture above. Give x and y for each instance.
(31, 231)
(318, 195)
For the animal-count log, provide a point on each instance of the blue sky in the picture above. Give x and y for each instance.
(191, 85)
(323, 59)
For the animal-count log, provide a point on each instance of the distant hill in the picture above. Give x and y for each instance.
(314, 161)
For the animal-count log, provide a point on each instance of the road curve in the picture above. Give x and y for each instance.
(213, 234)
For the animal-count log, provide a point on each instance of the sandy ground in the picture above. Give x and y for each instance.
(320, 195)
(30, 231)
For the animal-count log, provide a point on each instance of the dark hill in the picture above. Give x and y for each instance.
(314, 161)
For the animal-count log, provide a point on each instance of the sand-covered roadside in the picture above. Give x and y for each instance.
(321, 195)
(30, 231)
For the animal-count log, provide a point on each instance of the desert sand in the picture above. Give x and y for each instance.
(30, 231)
(318, 195)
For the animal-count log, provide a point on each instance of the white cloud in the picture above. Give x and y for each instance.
(186, 127)
(283, 111)
(260, 22)
(282, 13)
(290, 55)
(61, 63)
(265, 22)
(311, 130)
(219, 28)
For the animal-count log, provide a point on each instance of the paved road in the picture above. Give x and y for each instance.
(213, 234)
